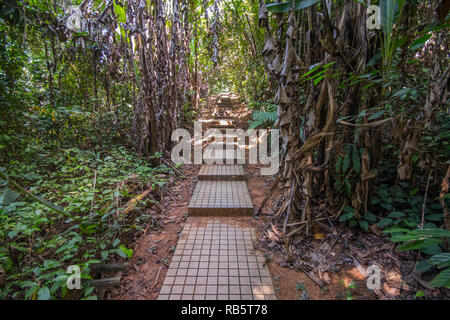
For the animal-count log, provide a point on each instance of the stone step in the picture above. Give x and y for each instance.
(218, 121)
(230, 138)
(224, 116)
(222, 129)
(221, 172)
(222, 126)
(221, 198)
(222, 122)
(221, 156)
(223, 161)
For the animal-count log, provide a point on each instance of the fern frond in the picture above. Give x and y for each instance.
(260, 118)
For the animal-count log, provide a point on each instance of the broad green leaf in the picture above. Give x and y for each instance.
(314, 75)
(350, 213)
(432, 250)
(440, 233)
(384, 222)
(279, 7)
(370, 217)
(419, 294)
(28, 284)
(419, 244)
(401, 92)
(120, 13)
(419, 43)
(286, 6)
(376, 115)
(414, 191)
(9, 197)
(317, 80)
(364, 224)
(349, 209)
(442, 279)
(423, 266)
(396, 214)
(373, 60)
(404, 237)
(396, 230)
(124, 252)
(44, 293)
(398, 42)
(441, 259)
(115, 242)
(433, 27)
(389, 10)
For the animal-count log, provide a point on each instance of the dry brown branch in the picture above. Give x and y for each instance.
(366, 125)
(131, 204)
(272, 189)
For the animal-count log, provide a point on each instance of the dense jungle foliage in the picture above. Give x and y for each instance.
(90, 91)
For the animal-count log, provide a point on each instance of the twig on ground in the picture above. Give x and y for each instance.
(295, 231)
(272, 189)
(179, 173)
(303, 222)
(317, 282)
(422, 282)
(335, 240)
(157, 276)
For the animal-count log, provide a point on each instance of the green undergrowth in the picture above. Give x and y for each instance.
(52, 217)
(264, 114)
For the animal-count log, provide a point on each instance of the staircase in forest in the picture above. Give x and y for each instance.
(215, 258)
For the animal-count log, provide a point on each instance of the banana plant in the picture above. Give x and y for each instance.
(391, 11)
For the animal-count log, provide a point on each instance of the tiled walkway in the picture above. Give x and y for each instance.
(215, 258)
(220, 198)
(221, 172)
